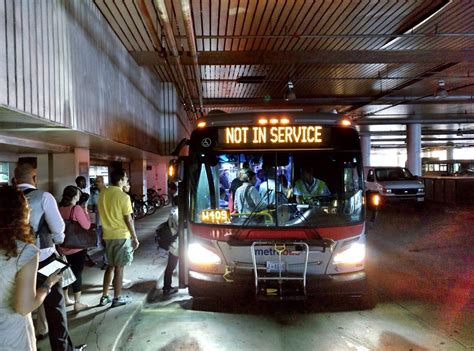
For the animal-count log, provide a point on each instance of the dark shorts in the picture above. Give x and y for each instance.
(119, 252)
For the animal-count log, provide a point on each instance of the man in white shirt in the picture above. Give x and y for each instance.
(48, 226)
(247, 198)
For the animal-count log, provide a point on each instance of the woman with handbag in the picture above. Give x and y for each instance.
(76, 257)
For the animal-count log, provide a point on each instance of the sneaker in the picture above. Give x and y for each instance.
(120, 301)
(104, 300)
(80, 347)
(169, 291)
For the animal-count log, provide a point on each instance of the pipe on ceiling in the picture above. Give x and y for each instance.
(156, 41)
(169, 35)
(190, 36)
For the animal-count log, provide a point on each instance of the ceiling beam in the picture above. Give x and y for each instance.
(333, 100)
(309, 57)
(33, 144)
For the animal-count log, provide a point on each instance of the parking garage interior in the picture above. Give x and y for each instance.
(89, 85)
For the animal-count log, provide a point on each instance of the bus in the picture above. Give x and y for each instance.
(288, 246)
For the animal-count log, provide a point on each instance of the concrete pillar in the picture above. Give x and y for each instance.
(365, 146)
(64, 172)
(81, 164)
(450, 151)
(414, 148)
(137, 176)
(64, 168)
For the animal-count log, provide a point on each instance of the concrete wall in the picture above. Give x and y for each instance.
(61, 61)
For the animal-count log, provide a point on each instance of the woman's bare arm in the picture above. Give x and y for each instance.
(27, 297)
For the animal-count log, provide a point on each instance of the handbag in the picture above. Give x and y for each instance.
(77, 237)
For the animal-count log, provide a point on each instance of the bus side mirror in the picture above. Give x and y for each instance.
(175, 170)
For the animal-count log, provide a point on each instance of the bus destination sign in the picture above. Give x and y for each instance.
(273, 136)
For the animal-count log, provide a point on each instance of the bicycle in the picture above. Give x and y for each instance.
(141, 208)
(158, 198)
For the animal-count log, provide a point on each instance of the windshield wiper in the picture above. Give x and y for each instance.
(256, 209)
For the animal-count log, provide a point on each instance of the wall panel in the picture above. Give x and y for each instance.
(61, 61)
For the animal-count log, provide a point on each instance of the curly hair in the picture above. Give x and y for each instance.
(69, 193)
(14, 220)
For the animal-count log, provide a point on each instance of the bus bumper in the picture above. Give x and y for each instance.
(213, 285)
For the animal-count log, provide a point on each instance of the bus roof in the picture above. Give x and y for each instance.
(252, 118)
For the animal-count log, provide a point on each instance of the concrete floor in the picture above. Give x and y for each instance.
(101, 327)
(421, 263)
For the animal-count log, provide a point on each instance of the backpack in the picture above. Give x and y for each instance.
(44, 239)
(164, 237)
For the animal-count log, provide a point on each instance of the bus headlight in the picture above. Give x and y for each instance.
(354, 254)
(199, 255)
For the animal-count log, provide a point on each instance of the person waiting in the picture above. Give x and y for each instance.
(308, 187)
(19, 258)
(69, 209)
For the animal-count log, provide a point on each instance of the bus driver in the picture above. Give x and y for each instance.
(308, 187)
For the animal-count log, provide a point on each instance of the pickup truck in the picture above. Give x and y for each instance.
(394, 184)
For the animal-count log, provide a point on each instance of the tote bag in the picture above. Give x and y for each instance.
(77, 237)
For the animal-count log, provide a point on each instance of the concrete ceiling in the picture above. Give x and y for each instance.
(25, 134)
(379, 62)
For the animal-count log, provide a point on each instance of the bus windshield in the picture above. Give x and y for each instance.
(277, 188)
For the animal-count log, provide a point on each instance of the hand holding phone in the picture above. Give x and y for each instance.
(54, 278)
(53, 267)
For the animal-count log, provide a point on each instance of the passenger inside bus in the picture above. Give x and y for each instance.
(308, 188)
(329, 192)
(269, 189)
(247, 198)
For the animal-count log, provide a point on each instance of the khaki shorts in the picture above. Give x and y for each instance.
(119, 252)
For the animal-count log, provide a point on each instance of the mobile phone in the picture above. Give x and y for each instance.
(53, 266)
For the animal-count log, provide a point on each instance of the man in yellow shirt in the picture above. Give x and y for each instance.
(119, 235)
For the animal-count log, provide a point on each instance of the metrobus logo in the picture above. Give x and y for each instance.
(273, 252)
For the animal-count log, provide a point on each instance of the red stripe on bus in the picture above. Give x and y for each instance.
(226, 233)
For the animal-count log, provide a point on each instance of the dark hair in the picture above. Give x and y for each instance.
(68, 194)
(117, 175)
(13, 220)
(248, 175)
(80, 179)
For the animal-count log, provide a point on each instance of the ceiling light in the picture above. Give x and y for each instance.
(289, 93)
(441, 90)
(422, 21)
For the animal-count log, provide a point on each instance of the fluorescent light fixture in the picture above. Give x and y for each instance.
(289, 93)
(412, 29)
(441, 90)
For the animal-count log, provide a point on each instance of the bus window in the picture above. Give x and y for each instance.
(301, 188)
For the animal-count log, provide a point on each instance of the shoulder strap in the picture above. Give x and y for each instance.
(248, 198)
(29, 190)
(21, 252)
(71, 214)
